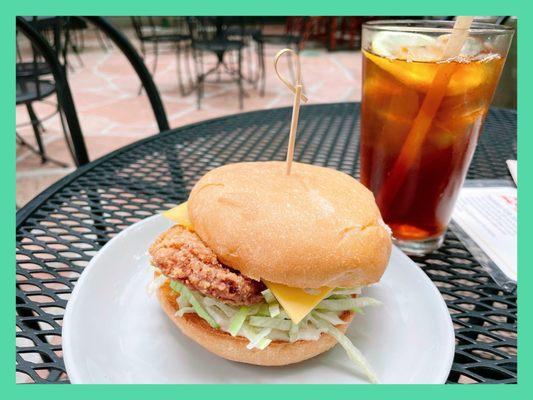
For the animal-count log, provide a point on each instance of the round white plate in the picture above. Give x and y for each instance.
(114, 332)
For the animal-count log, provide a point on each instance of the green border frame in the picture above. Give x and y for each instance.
(523, 9)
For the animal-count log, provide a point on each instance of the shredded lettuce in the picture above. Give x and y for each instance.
(260, 339)
(265, 322)
(237, 320)
(345, 292)
(346, 304)
(227, 310)
(183, 301)
(273, 309)
(269, 297)
(185, 291)
(331, 317)
(184, 310)
(156, 283)
(353, 352)
(257, 338)
(293, 332)
(308, 331)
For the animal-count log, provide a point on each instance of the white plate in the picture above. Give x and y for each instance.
(113, 332)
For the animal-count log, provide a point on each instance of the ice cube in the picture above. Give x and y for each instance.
(424, 53)
(404, 46)
(471, 47)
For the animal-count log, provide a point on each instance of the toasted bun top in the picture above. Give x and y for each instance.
(315, 227)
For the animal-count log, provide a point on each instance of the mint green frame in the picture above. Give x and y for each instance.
(519, 8)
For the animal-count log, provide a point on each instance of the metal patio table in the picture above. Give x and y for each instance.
(61, 229)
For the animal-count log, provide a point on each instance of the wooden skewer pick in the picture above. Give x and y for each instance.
(298, 96)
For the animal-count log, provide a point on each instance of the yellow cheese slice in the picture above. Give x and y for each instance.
(180, 215)
(297, 302)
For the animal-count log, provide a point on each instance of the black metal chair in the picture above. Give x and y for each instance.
(34, 84)
(208, 36)
(290, 38)
(148, 31)
(64, 95)
(246, 33)
(77, 27)
(34, 88)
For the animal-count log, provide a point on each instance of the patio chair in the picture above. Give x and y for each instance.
(64, 95)
(148, 31)
(209, 37)
(33, 82)
(32, 87)
(246, 33)
(291, 38)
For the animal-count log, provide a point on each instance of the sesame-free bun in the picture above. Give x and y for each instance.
(315, 227)
(234, 348)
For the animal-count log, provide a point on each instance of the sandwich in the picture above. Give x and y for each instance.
(267, 268)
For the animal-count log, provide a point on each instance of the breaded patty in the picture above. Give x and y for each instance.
(181, 255)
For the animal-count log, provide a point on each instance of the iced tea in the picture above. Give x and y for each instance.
(420, 123)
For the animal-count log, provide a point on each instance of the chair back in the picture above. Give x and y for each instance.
(64, 94)
(144, 27)
(207, 29)
(31, 66)
(148, 28)
(123, 43)
(202, 29)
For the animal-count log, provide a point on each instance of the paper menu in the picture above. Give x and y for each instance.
(513, 169)
(488, 215)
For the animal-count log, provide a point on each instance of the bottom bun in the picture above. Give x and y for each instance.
(234, 348)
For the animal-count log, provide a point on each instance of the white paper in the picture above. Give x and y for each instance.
(511, 164)
(488, 215)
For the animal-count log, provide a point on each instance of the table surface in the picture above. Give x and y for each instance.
(63, 228)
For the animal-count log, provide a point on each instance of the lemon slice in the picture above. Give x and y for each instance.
(415, 75)
(419, 75)
(406, 46)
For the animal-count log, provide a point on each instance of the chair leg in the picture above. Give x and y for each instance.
(239, 82)
(82, 39)
(250, 74)
(67, 64)
(75, 48)
(291, 66)
(101, 41)
(143, 50)
(156, 51)
(19, 55)
(253, 55)
(35, 124)
(297, 50)
(188, 55)
(178, 68)
(199, 80)
(199, 92)
(217, 71)
(261, 54)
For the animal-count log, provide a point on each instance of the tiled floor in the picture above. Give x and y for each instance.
(112, 114)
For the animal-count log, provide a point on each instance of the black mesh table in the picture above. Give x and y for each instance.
(60, 230)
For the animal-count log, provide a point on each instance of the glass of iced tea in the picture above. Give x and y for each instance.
(421, 116)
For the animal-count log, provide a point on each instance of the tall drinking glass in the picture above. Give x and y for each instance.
(421, 117)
